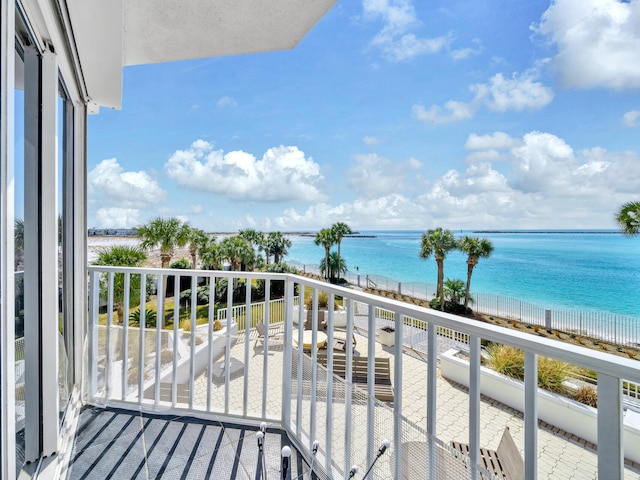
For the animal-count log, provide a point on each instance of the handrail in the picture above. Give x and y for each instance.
(107, 347)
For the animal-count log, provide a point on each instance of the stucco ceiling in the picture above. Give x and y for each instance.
(112, 34)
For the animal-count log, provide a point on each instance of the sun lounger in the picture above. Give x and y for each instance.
(360, 372)
(506, 462)
(274, 338)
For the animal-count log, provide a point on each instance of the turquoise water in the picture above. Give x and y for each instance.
(594, 271)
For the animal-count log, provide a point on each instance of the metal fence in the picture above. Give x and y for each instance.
(619, 329)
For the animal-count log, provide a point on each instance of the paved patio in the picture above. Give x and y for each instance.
(561, 455)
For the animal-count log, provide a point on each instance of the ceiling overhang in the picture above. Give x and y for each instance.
(112, 34)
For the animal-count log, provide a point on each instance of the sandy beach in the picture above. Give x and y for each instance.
(95, 243)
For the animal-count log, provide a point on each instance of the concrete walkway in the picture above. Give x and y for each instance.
(560, 455)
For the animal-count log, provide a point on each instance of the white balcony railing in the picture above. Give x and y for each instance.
(184, 360)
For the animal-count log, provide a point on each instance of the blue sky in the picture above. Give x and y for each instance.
(389, 114)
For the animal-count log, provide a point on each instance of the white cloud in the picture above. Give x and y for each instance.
(371, 141)
(122, 188)
(543, 183)
(598, 42)
(451, 112)
(116, 217)
(374, 175)
(226, 102)
(282, 174)
(499, 95)
(631, 118)
(389, 211)
(497, 141)
(395, 40)
(464, 53)
(515, 93)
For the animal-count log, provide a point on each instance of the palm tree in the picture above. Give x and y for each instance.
(197, 239)
(453, 290)
(326, 238)
(238, 251)
(340, 229)
(255, 238)
(438, 242)
(277, 245)
(211, 255)
(336, 267)
(121, 256)
(628, 218)
(476, 248)
(165, 233)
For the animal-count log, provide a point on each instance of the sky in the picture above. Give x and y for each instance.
(389, 114)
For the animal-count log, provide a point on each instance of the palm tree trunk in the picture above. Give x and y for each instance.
(339, 240)
(470, 266)
(440, 290)
(327, 270)
(194, 258)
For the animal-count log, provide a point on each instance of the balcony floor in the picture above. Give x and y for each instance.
(124, 444)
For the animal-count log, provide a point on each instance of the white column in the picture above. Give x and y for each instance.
(7, 312)
(610, 446)
(474, 404)
(530, 416)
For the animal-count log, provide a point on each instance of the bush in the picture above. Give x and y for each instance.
(182, 264)
(217, 325)
(509, 361)
(587, 395)
(150, 318)
(449, 307)
(323, 301)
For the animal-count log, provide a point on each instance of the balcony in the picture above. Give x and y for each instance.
(210, 366)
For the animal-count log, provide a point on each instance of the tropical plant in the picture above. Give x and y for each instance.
(150, 318)
(438, 242)
(211, 255)
(628, 218)
(277, 286)
(340, 229)
(121, 256)
(181, 264)
(255, 238)
(197, 239)
(18, 233)
(509, 361)
(166, 234)
(454, 290)
(238, 251)
(326, 239)
(335, 268)
(476, 248)
(278, 245)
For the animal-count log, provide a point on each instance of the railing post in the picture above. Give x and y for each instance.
(610, 445)
(547, 318)
(530, 416)
(286, 383)
(94, 287)
(399, 288)
(397, 402)
(474, 404)
(432, 376)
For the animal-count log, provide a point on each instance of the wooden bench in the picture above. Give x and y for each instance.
(506, 462)
(360, 370)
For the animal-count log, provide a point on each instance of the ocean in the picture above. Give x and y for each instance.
(569, 270)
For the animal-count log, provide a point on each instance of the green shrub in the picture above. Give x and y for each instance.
(509, 361)
(182, 264)
(323, 301)
(150, 318)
